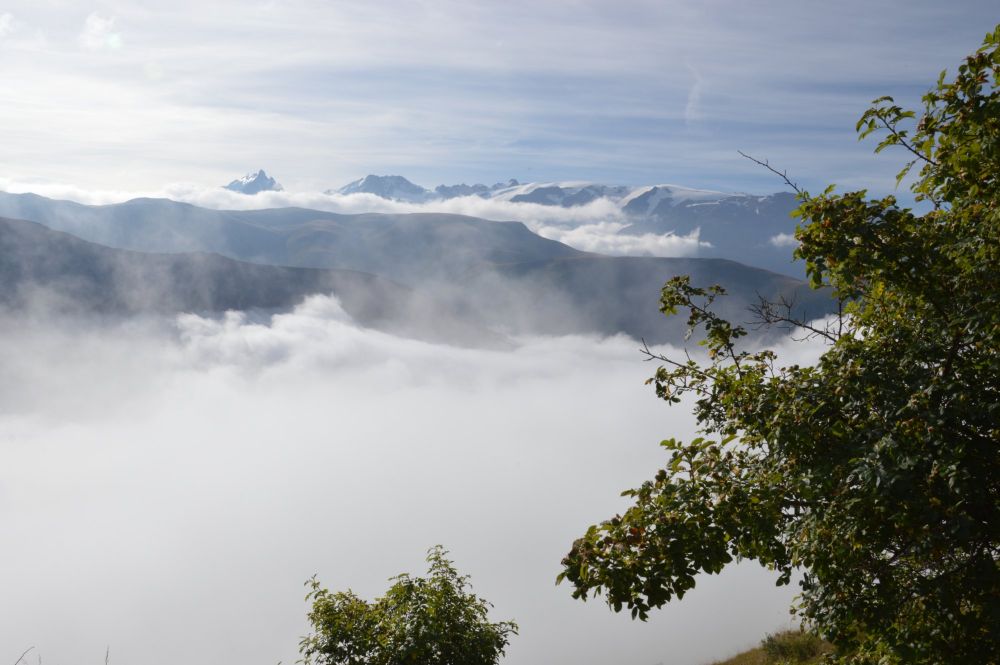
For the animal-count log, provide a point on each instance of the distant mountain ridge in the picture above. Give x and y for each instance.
(563, 194)
(103, 279)
(753, 229)
(393, 187)
(58, 273)
(410, 248)
(398, 188)
(485, 275)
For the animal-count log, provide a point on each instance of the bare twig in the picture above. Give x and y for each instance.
(650, 355)
(26, 652)
(779, 314)
(781, 174)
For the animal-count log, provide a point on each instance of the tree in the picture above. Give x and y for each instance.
(875, 473)
(435, 620)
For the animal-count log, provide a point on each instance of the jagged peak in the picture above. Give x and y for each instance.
(253, 183)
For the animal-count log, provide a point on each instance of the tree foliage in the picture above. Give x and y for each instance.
(435, 620)
(874, 473)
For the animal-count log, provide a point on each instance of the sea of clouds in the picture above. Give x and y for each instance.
(169, 484)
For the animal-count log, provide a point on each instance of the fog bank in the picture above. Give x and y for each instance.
(168, 486)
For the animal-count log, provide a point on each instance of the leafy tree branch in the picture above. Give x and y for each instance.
(875, 472)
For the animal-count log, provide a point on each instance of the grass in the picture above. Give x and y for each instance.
(791, 647)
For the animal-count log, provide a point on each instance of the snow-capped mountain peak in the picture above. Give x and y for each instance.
(749, 228)
(252, 183)
(650, 200)
(393, 187)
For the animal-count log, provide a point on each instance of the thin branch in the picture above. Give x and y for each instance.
(782, 174)
(840, 317)
(26, 652)
(901, 139)
(956, 343)
(650, 355)
(779, 314)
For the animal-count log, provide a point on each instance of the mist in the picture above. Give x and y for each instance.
(170, 483)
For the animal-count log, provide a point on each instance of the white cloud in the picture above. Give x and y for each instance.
(168, 486)
(784, 240)
(7, 24)
(604, 238)
(692, 109)
(444, 91)
(99, 33)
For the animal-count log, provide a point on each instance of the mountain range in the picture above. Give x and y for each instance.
(427, 273)
(398, 188)
(61, 274)
(757, 230)
(752, 229)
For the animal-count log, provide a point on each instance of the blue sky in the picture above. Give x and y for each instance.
(134, 95)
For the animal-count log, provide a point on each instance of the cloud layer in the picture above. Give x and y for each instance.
(136, 95)
(169, 485)
(99, 33)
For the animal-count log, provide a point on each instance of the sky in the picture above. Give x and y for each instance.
(136, 96)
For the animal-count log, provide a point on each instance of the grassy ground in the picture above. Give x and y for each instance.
(789, 647)
(752, 657)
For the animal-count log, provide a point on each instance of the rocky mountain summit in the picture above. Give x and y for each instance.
(252, 183)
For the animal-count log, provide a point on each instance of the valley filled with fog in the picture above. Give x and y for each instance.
(419, 318)
(202, 406)
(171, 482)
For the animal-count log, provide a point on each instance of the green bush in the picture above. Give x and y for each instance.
(793, 646)
(435, 620)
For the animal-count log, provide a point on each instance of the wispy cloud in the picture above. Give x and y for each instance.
(692, 109)
(99, 33)
(6, 24)
(445, 91)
